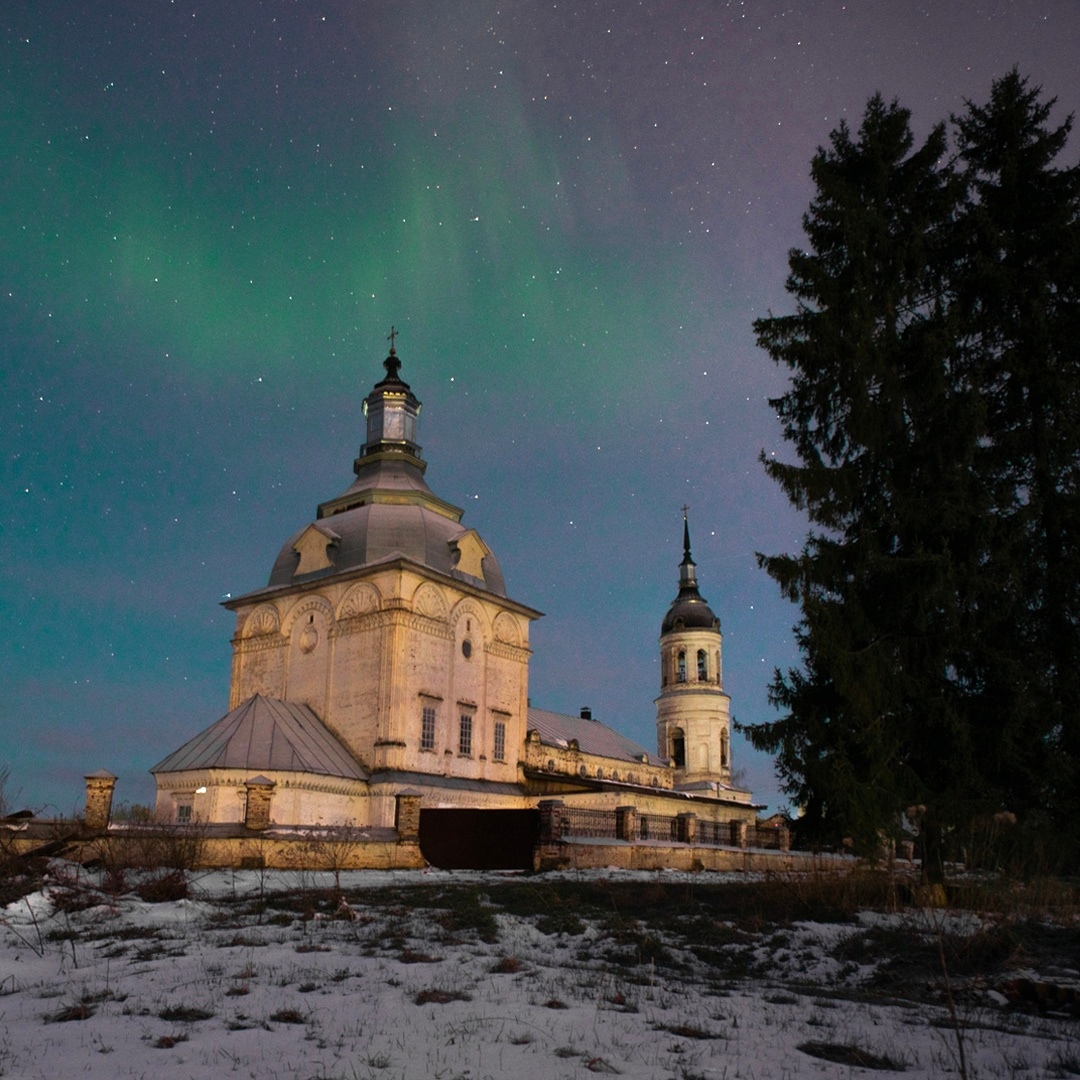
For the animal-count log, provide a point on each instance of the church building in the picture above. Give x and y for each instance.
(384, 657)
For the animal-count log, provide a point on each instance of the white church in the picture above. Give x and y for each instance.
(385, 657)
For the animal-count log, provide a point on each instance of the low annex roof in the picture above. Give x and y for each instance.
(593, 737)
(264, 733)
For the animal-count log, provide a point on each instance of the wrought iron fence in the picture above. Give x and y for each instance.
(714, 832)
(658, 827)
(590, 822)
(587, 821)
(763, 838)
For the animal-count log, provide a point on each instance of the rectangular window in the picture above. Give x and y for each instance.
(183, 814)
(500, 740)
(465, 734)
(427, 728)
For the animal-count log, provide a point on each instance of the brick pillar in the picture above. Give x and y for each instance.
(738, 834)
(260, 791)
(407, 817)
(785, 838)
(626, 823)
(99, 795)
(687, 828)
(551, 821)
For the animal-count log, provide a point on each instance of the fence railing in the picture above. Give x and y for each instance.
(658, 827)
(587, 821)
(629, 825)
(714, 832)
(763, 838)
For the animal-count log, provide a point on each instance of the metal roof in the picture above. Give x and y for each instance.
(265, 733)
(593, 737)
(369, 534)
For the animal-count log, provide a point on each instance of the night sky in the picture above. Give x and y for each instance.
(211, 215)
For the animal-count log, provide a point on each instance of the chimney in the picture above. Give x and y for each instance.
(586, 713)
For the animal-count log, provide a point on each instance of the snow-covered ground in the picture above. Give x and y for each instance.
(429, 975)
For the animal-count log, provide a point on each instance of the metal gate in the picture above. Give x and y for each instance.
(479, 839)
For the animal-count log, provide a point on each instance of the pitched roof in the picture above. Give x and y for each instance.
(265, 733)
(593, 737)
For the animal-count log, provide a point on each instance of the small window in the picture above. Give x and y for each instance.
(466, 649)
(681, 673)
(702, 666)
(183, 814)
(427, 728)
(582, 771)
(465, 735)
(599, 774)
(500, 740)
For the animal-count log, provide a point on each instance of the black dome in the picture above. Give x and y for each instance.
(689, 611)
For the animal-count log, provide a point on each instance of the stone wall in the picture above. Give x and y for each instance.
(588, 854)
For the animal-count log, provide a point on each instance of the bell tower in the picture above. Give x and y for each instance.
(693, 719)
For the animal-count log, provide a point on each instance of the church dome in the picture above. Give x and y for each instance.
(688, 610)
(379, 532)
(389, 512)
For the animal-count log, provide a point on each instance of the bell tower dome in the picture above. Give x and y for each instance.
(693, 719)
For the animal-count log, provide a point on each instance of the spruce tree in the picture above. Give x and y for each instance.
(1017, 287)
(883, 436)
(933, 412)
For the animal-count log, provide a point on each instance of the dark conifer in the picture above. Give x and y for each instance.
(1017, 287)
(934, 410)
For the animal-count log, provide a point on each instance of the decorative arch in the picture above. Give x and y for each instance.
(506, 629)
(361, 599)
(430, 600)
(316, 603)
(470, 609)
(263, 620)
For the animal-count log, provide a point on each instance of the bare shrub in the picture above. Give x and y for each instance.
(289, 1016)
(185, 1014)
(164, 887)
(850, 1055)
(439, 996)
(336, 847)
(79, 1011)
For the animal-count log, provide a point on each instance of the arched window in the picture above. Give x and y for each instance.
(681, 671)
(678, 749)
(702, 666)
(724, 750)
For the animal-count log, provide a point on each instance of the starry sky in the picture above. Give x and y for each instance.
(211, 215)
